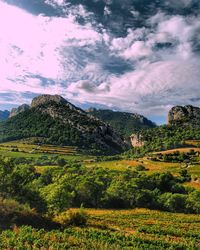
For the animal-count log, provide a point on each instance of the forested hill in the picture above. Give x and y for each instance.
(4, 115)
(125, 123)
(183, 124)
(59, 122)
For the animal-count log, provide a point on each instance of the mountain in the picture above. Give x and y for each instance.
(16, 111)
(183, 124)
(187, 115)
(4, 115)
(125, 123)
(59, 122)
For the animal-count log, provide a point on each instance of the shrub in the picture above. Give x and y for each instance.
(77, 218)
(72, 218)
(140, 168)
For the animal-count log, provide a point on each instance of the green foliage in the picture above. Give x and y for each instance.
(152, 231)
(72, 217)
(69, 127)
(140, 168)
(125, 123)
(164, 138)
(56, 189)
(26, 125)
(57, 195)
(173, 202)
(193, 202)
(176, 156)
(14, 213)
(61, 162)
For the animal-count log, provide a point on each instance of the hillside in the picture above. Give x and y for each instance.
(125, 123)
(4, 115)
(60, 122)
(21, 108)
(183, 124)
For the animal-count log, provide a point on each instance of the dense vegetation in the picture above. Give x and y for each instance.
(72, 185)
(27, 125)
(173, 235)
(125, 123)
(176, 156)
(38, 191)
(165, 137)
(70, 128)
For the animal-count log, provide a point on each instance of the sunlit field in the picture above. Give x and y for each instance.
(113, 229)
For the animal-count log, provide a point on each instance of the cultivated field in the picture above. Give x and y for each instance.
(185, 150)
(28, 149)
(138, 229)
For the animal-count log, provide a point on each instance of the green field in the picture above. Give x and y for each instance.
(151, 166)
(105, 229)
(136, 229)
(28, 149)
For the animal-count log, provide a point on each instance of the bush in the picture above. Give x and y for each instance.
(193, 202)
(77, 218)
(140, 168)
(72, 218)
(173, 202)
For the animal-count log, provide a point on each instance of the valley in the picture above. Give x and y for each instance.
(99, 125)
(72, 181)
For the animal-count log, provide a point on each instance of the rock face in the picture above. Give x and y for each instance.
(16, 111)
(60, 122)
(47, 99)
(4, 115)
(184, 115)
(125, 123)
(136, 140)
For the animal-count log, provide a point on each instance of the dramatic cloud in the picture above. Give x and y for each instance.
(132, 56)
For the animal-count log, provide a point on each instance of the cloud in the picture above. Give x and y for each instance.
(39, 45)
(137, 50)
(180, 3)
(152, 66)
(155, 87)
(161, 78)
(56, 3)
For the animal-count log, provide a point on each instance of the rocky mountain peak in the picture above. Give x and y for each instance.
(184, 115)
(69, 125)
(46, 99)
(21, 108)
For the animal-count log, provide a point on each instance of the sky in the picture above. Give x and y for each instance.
(133, 55)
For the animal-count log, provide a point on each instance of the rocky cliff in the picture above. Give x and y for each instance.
(60, 122)
(125, 123)
(184, 115)
(16, 111)
(136, 140)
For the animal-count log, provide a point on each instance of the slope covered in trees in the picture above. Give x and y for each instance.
(125, 123)
(60, 122)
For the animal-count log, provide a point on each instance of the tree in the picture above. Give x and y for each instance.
(61, 162)
(193, 202)
(57, 195)
(173, 202)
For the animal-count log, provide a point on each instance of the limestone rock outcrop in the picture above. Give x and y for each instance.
(184, 115)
